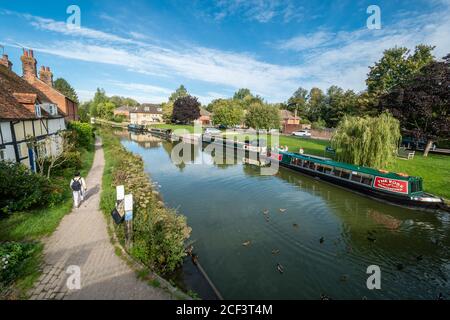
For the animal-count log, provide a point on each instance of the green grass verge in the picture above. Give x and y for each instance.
(33, 225)
(189, 128)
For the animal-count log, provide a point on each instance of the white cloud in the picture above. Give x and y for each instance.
(262, 11)
(330, 58)
(303, 42)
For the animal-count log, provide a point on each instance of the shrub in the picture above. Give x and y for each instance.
(13, 256)
(84, 133)
(21, 189)
(159, 233)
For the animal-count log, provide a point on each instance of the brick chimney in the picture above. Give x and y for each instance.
(46, 76)
(4, 61)
(28, 64)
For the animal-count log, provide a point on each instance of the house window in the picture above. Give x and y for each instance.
(2, 155)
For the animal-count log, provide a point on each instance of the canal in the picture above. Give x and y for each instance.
(324, 237)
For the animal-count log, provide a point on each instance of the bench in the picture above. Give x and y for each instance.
(405, 154)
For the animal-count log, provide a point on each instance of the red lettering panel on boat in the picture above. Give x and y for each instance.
(398, 186)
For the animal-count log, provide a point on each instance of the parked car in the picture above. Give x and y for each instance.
(212, 131)
(302, 133)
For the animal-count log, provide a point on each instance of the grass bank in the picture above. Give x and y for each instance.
(28, 227)
(158, 233)
(189, 128)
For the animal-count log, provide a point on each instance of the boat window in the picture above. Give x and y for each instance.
(312, 166)
(416, 186)
(367, 180)
(297, 162)
(328, 170)
(345, 174)
(337, 172)
(320, 168)
(356, 177)
(306, 164)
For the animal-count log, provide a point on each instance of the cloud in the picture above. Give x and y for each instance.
(328, 58)
(303, 42)
(262, 11)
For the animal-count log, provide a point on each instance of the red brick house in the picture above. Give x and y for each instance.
(205, 118)
(45, 84)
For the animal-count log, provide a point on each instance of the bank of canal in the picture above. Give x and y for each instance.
(231, 205)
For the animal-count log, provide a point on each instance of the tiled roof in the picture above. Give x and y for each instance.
(14, 93)
(286, 114)
(205, 113)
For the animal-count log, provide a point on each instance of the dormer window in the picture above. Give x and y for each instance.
(38, 111)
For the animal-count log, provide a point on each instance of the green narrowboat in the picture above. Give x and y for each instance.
(387, 186)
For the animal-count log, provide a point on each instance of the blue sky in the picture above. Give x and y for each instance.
(146, 49)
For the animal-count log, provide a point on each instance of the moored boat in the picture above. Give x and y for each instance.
(396, 188)
(136, 128)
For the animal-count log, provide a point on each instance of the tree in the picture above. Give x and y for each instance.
(226, 113)
(316, 104)
(83, 112)
(179, 93)
(105, 110)
(99, 97)
(244, 98)
(298, 102)
(367, 141)
(338, 104)
(167, 109)
(262, 116)
(66, 89)
(241, 94)
(123, 101)
(52, 151)
(396, 67)
(423, 104)
(186, 109)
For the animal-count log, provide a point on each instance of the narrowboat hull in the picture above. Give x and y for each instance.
(425, 202)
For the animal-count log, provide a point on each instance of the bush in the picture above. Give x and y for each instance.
(159, 233)
(21, 189)
(13, 256)
(84, 133)
(319, 125)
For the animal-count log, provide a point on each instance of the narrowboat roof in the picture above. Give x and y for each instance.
(347, 166)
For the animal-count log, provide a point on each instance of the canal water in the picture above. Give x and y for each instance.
(324, 237)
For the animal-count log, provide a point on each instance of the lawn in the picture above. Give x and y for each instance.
(174, 127)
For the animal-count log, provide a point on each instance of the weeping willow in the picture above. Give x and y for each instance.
(367, 141)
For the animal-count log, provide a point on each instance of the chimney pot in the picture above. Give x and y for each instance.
(28, 65)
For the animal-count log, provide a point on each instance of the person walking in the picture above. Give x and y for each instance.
(78, 186)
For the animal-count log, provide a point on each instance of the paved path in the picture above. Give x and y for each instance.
(82, 240)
